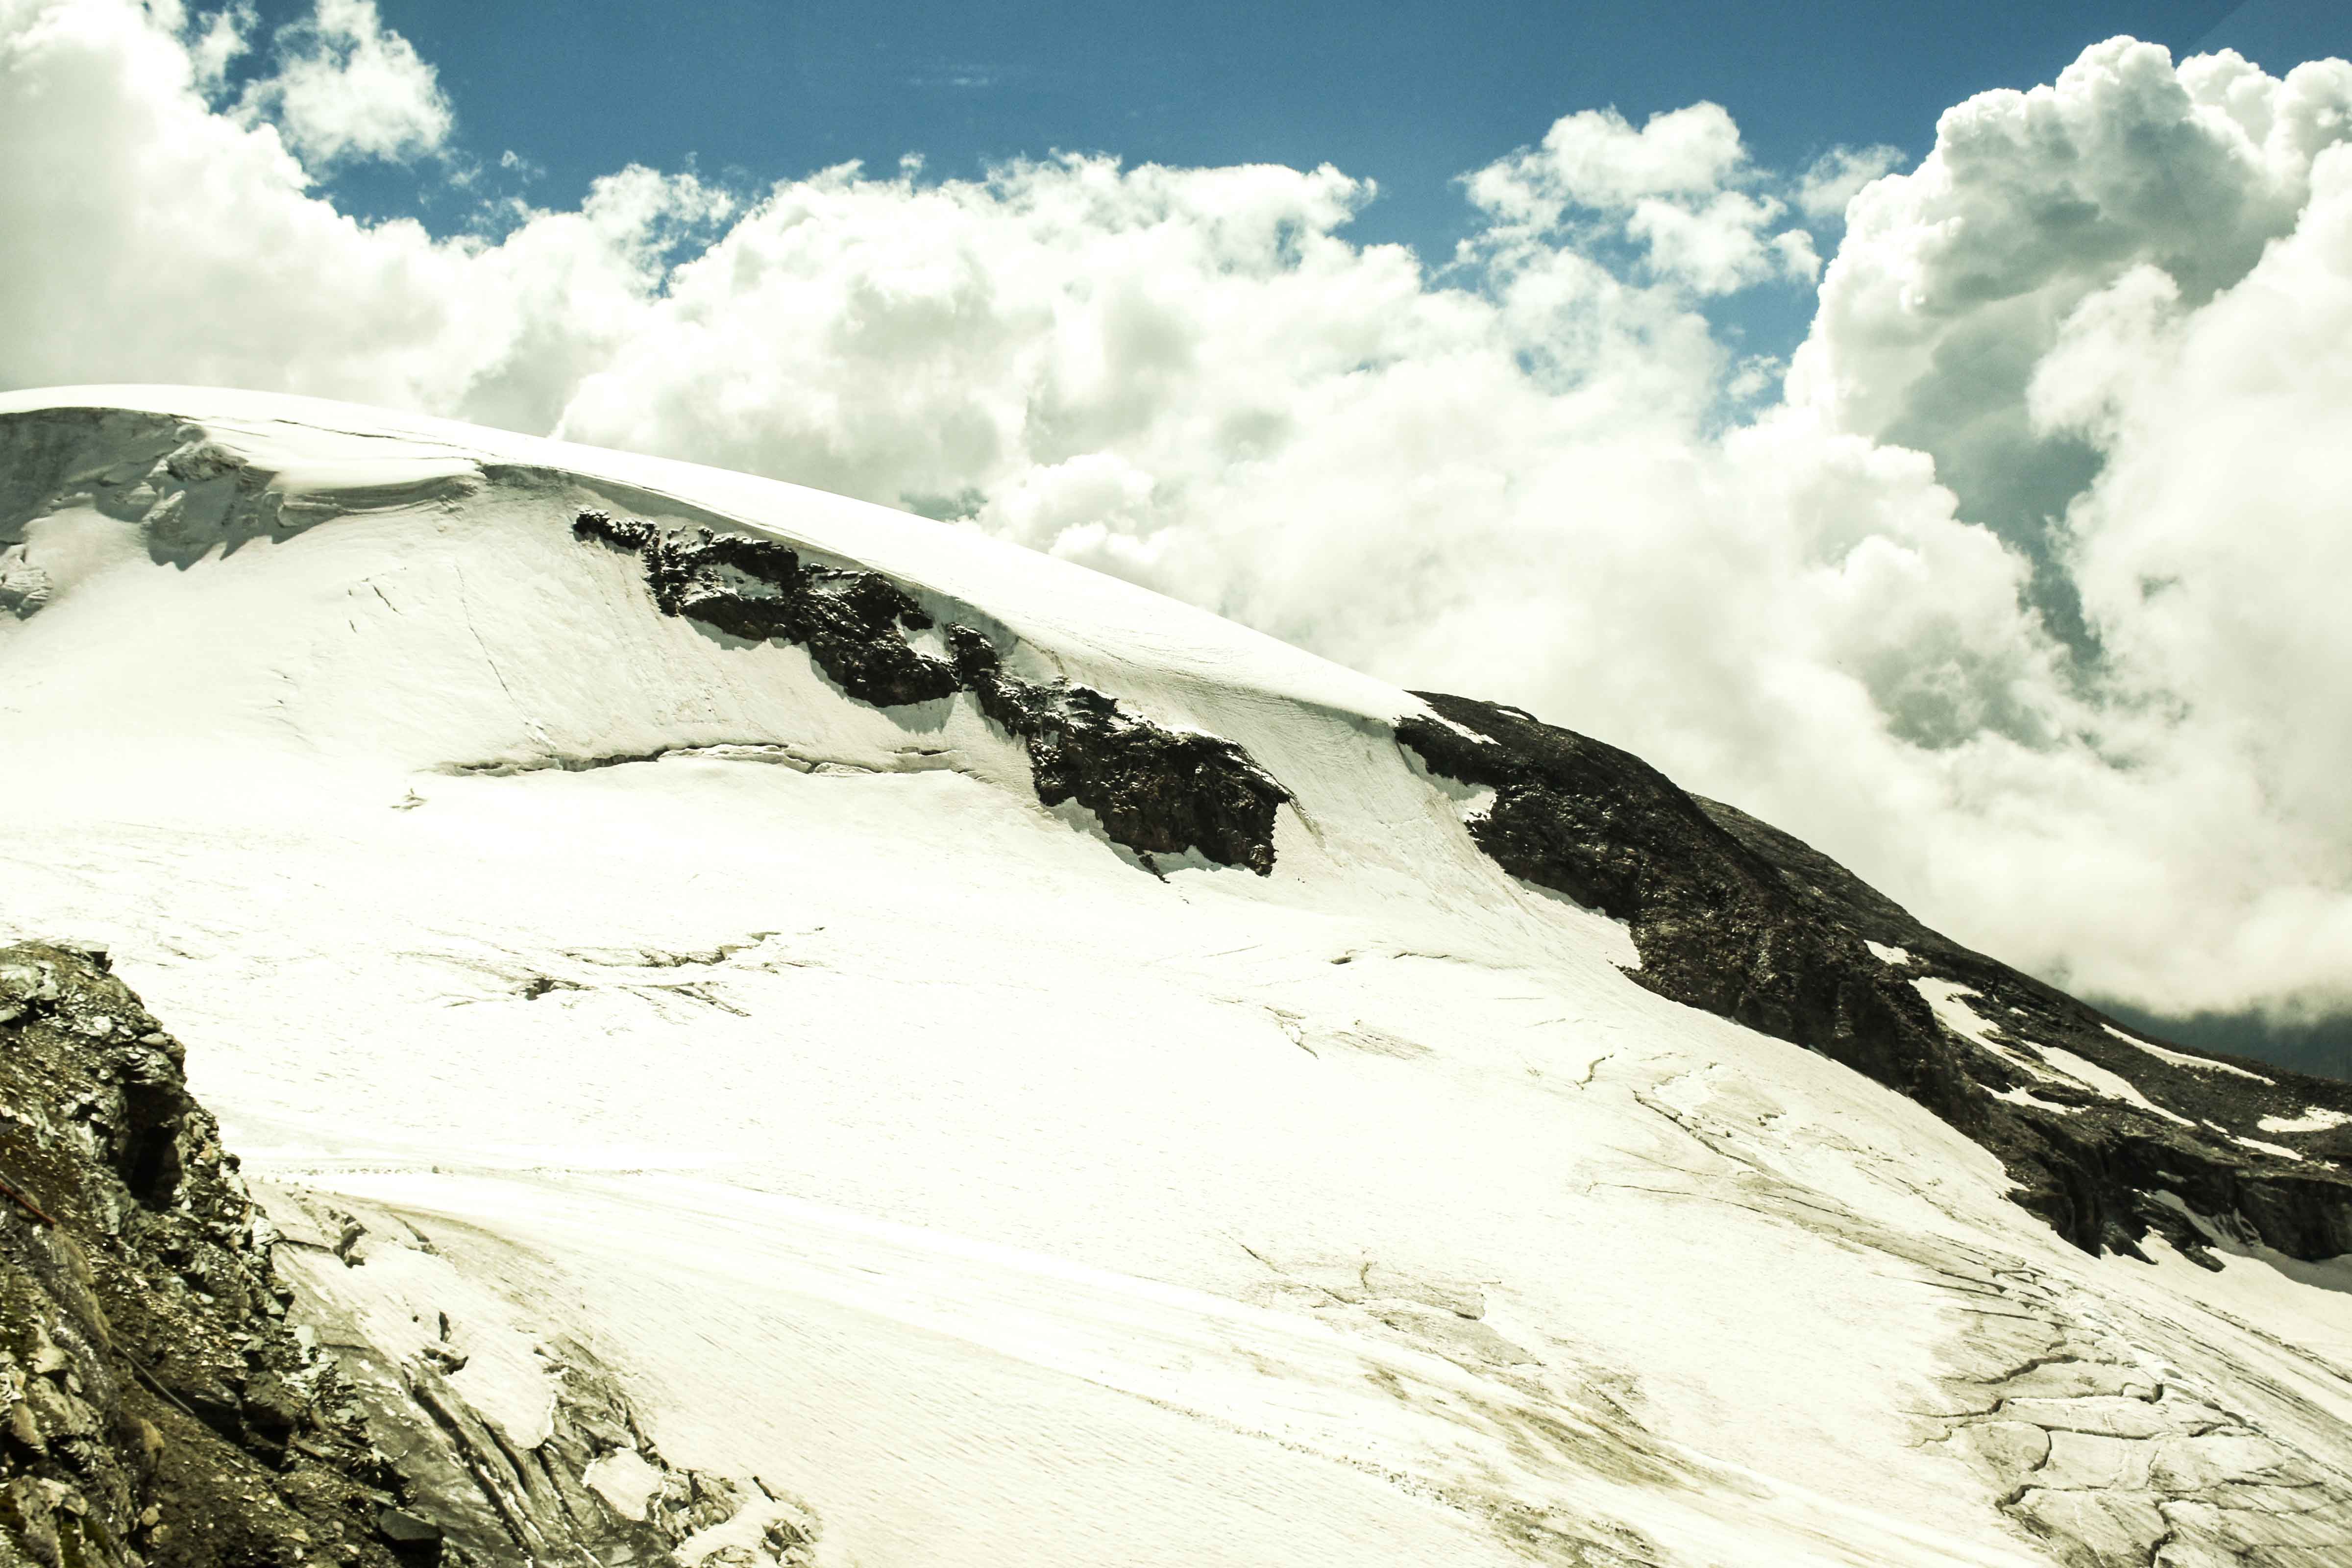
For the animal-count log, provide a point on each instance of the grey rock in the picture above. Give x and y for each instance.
(149, 1394)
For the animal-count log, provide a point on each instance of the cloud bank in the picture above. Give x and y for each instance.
(2018, 592)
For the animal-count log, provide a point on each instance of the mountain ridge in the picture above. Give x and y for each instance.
(1597, 823)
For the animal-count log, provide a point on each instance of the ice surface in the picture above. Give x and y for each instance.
(910, 1147)
(2279, 1149)
(625, 1479)
(1950, 999)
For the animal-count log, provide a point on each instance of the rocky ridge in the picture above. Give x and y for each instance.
(2109, 1136)
(1156, 790)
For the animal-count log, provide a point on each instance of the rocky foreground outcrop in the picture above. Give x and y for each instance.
(169, 1399)
(156, 1406)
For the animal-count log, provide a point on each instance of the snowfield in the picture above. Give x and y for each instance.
(996, 1194)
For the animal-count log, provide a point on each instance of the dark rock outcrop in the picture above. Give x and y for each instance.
(1156, 790)
(1745, 921)
(853, 624)
(155, 1407)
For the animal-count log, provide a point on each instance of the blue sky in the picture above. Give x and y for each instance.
(1408, 94)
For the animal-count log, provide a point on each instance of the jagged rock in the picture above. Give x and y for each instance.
(1155, 790)
(1743, 920)
(853, 624)
(23, 587)
(407, 1534)
(160, 1405)
(158, 1409)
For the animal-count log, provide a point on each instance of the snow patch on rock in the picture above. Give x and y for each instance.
(2183, 1059)
(2315, 1118)
(2114, 1085)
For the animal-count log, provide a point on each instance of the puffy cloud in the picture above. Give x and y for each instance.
(2212, 549)
(1835, 177)
(1518, 478)
(905, 340)
(1952, 282)
(1595, 158)
(1673, 186)
(149, 237)
(216, 41)
(346, 87)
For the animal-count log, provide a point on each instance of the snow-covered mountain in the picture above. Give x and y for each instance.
(1012, 1069)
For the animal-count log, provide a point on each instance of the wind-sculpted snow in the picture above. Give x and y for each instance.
(1156, 790)
(695, 1069)
(187, 493)
(1740, 918)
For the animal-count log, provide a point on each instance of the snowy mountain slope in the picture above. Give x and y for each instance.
(879, 1091)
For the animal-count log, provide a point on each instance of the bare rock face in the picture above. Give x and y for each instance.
(2108, 1134)
(1156, 790)
(168, 1399)
(853, 624)
(155, 1406)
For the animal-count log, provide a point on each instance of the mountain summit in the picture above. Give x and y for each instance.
(760, 1028)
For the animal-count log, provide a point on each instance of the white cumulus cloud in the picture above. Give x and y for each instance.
(1681, 186)
(345, 87)
(216, 41)
(1838, 175)
(1952, 282)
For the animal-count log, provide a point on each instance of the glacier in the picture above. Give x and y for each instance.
(778, 945)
